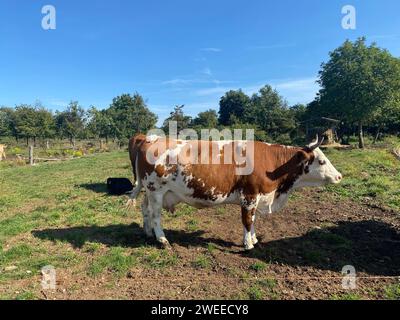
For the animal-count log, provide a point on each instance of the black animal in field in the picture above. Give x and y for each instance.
(119, 186)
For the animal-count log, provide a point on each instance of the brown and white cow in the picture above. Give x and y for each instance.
(277, 171)
(2, 152)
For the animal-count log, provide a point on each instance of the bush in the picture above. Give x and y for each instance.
(15, 150)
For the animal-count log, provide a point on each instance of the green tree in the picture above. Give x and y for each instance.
(183, 121)
(357, 81)
(6, 121)
(25, 122)
(45, 123)
(206, 119)
(232, 106)
(130, 115)
(269, 111)
(100, 124)
(71, 122)
(387, 119)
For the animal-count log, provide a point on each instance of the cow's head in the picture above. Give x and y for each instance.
(318, 170)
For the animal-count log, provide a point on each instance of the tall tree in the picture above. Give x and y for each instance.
(232, 107)
(6, 118)
(45, 123)
(183, 120)
(206, 119)
(71, 123)
(357, 81)
(270, 112)
(130, 115)
(25, 122)
(100, 124)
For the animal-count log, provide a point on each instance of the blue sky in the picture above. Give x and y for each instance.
(176, 51)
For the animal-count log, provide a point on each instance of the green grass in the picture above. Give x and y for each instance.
(26, 295)
(346, 296)
(157, 258)
(368, 175)
(211, 247)
(59, 214)
(258, 266)
(254, 292)
(116, 261)
(258, 289)
(28, 260)
(192, 225)
(392, 292)
(202, 261)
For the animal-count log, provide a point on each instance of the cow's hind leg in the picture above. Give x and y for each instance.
(155, 205)
(248, 227)
(147, 221)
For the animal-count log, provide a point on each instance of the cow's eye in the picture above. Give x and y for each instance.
(322, 162)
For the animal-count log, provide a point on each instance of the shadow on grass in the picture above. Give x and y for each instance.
(95, 187)
(123, 235)
(370, 246)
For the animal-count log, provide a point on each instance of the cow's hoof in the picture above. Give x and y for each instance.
(164, 243)
(248, 247)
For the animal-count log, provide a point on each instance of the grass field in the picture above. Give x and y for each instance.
(59, 214)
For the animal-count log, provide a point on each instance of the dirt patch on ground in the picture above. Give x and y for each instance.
(300, 256)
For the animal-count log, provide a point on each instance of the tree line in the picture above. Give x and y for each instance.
(360, 88)
(126, 115)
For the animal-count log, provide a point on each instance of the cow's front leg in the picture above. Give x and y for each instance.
(248, 228)
(253, 231)
(155, 203)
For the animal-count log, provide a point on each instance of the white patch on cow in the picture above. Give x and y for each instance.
(152, 138)
(271, 202)
(320, 172)
(247, 239)
(253, 231)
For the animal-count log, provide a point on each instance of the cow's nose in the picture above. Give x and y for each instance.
(339, 177)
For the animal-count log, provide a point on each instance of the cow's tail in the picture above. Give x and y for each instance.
(133, 153)
(133, 194)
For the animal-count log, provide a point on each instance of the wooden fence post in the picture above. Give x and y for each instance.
(31, 162)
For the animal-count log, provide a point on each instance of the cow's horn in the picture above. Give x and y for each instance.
(315, 144)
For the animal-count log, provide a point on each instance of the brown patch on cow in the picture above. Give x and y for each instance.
(287, 174)
(247, 216)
